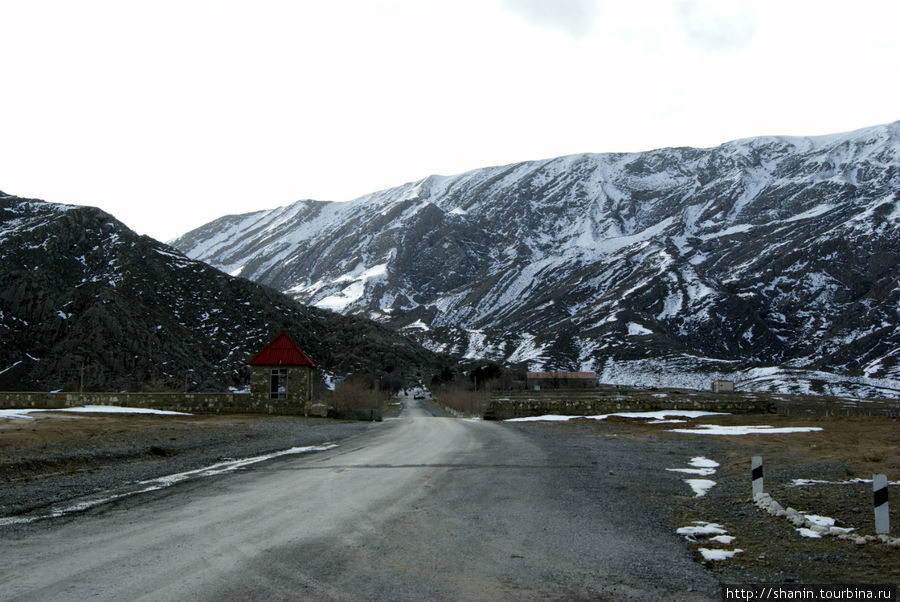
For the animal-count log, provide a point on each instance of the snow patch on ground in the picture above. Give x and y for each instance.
(88, 409)
(700, 529)
(10, 367)
(713, 554)
(657, 415)
(699, 466)
(417, 325)
(527, 349)
(714, 429)
(635, 329)
(700, 486)
(16, 414)
(161, 483)
(709, 532)
(354, 291)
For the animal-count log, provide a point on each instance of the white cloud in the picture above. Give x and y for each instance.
(575, 17)
(717, 26)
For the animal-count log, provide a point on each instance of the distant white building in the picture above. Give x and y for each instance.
(723, 386)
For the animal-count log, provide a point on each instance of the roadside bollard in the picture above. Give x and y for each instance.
(882, 515)
(756, 473)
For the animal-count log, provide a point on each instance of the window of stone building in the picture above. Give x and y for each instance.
(279, 382)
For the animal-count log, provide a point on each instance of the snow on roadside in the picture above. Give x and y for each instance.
(714, 532)
(701, 529)
(20, 414)
(699, 466)
(119, 410)
(24, 413)
(714, 554)
(650, 415)
(230, 465)
(714, 429)
(857, 481)
(700, 486)
(161, 483)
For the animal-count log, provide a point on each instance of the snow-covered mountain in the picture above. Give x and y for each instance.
(773, 260)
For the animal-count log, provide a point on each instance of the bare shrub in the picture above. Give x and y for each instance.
(356, 394)
(467, 403)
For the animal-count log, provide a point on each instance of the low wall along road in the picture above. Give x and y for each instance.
(201, 403)
(580, 402)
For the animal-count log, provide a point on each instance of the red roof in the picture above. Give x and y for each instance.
(281, 351)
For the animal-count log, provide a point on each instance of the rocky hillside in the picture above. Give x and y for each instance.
(80, 292)
(773, 260)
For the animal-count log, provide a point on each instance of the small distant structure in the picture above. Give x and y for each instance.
(560, 380)
(722, 386)
(281, 371)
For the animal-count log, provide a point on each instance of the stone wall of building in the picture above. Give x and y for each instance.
(299, 385)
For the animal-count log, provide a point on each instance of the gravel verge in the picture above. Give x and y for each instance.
(58, 458)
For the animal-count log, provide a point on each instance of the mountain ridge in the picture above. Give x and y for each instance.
(761, 252)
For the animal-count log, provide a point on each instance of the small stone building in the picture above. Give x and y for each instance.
(722, 386)
(560, 380)
(281, 371)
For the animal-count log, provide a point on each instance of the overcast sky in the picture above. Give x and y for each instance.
(169, 114)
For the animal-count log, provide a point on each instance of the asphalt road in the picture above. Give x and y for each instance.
(420, 508)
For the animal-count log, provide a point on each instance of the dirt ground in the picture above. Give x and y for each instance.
(49, 431)
(773, 551)
(66, 442)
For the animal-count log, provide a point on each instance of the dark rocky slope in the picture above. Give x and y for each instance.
(81, 293)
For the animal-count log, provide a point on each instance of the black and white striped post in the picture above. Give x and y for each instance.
(756, 473)
(882, 514)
